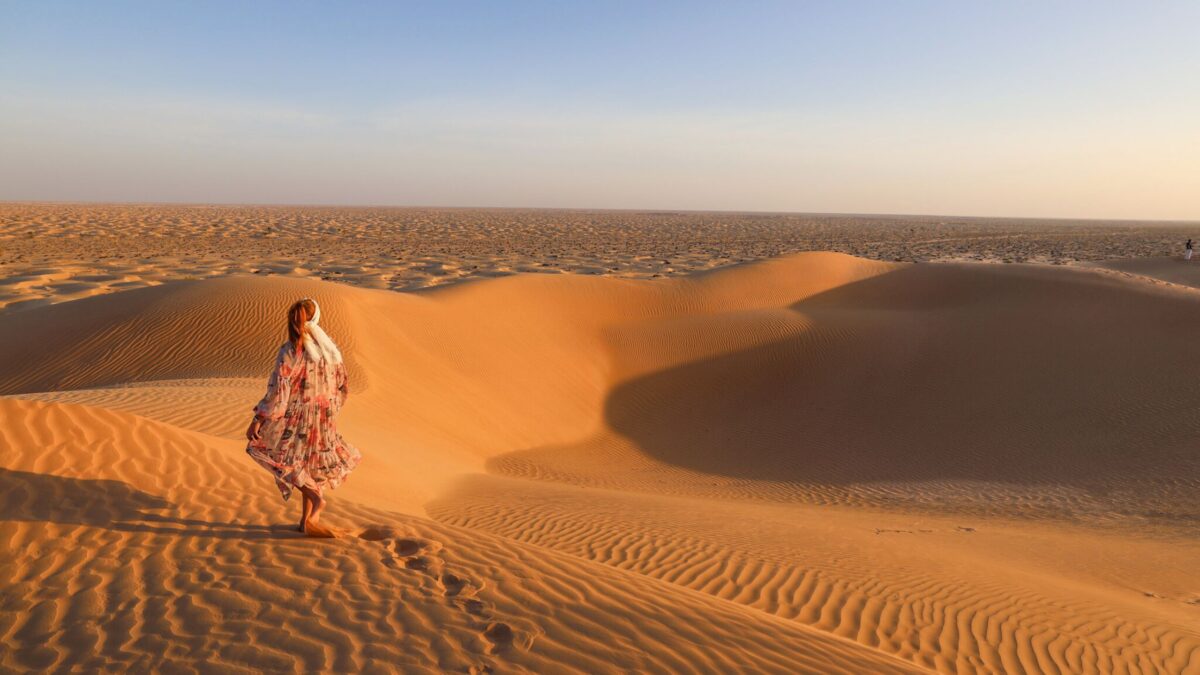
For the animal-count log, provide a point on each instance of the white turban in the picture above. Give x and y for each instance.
(320, 346)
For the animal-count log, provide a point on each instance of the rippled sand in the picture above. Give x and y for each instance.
(809, 462)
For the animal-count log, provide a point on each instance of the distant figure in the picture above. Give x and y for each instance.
(293, 434)
(1187, 250)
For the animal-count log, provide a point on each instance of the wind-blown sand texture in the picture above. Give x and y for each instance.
(813, 463)
(57, 252)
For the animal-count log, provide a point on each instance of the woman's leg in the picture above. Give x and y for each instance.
(311, 527)
(314, 498)
(307, 510)
(318, 505)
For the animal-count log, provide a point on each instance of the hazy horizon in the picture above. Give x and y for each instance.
(588, 209)
(1070, 110)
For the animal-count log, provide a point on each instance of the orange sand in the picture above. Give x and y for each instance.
(815, 463)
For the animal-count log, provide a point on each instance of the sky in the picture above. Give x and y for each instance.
(1037, 109)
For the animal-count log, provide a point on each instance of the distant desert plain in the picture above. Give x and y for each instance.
(604, 442)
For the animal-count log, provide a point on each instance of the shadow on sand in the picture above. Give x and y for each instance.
(112, 505)
(1011, 374)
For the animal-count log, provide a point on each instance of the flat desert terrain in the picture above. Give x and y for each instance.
(604, 442)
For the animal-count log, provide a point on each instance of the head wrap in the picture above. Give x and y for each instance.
(320, 345)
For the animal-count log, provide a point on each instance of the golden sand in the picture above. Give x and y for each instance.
(809, 463)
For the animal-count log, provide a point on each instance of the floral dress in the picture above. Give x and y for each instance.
(298, 442)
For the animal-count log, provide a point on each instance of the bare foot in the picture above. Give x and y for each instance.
(318, 503)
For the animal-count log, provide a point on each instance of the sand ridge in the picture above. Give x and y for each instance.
(824, 463)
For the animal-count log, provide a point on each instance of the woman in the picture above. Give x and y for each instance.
(293, 434)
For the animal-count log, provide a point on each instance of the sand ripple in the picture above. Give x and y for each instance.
(815, 463)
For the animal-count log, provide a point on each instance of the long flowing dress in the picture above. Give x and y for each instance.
(299, 442)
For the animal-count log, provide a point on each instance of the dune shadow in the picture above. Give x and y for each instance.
(112, 505)
(934, 373)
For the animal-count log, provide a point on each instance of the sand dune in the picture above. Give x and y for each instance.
(812, 463)
(1173, 269)
(1016, 382)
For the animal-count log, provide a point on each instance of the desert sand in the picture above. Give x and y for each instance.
(687, 448)
(58, 252)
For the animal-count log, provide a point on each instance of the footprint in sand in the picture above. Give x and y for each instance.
(421, 555)
(404, 552)
(499, 636)
(407, 547)
(409, 553)
(378, 533)
(474, 607)
(418, 563)
(455, 585)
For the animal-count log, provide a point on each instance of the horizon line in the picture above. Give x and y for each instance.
(586, 209)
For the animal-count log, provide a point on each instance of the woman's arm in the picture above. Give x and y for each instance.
(252, 431)
(274, 404)
(341, 379)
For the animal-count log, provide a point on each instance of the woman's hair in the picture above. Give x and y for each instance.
(297, 316)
